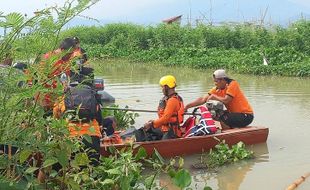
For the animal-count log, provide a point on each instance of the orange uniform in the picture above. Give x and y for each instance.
(62, 65)
(239, 103)
(170, 113)
(113, 139)
(77, 128)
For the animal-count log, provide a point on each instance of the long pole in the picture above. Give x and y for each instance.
(297, 182)
(139, 110)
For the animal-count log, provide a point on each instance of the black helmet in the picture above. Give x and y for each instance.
(67, 43)
(76, 39)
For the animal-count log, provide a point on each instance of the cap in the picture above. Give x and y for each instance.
(220, 73)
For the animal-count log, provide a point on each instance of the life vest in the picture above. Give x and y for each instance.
(177, 117)
(76, 128)
(63, 65)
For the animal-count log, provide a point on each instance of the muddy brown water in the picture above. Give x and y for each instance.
(280, 103)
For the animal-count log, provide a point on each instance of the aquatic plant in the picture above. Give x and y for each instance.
(240, 47)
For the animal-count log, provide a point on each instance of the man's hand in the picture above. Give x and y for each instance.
(148, 125)
(212, 97)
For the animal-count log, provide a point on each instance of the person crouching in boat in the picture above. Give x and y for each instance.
(239, 112)
(81, 110)
(170, 111)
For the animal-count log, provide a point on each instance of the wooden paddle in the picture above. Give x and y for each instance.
(298, 181)
(139, 110)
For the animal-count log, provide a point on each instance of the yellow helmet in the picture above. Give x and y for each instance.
(168, 80)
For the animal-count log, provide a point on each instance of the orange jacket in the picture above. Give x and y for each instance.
(239, 103)
(77, 128)
(170, 113)
(62, 65)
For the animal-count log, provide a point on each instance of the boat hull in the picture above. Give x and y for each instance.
(199, 144)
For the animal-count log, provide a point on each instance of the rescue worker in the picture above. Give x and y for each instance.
(170, 110)
(83, 59)
(61, 66)
(82, 73)
(239, 112)
(86, 126)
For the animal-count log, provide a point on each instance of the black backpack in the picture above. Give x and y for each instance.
(81, 103)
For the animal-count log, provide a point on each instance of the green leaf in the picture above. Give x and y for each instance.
(141, 153)
(63, 158)
(74, 185)
(158, 157)
(240, 144)
(49, 162)
(181, 162)
(114, 171)
(24, 155)
(108, 182)
(182, 178)
(87, 138)
(172, 173)
(149, 182)
(31, 170)
(14, 19)
(81, 159)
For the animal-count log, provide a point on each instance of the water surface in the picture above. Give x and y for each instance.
(279, 103)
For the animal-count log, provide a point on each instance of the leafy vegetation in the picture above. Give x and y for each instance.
(223, 154)
(236, 47)
(125, 119)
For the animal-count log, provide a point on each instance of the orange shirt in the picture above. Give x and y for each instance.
(63, 64)
(239, 103)
(47, 99)
(168, 115)
(77, 128)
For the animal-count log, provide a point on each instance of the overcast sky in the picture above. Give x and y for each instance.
(153, 11)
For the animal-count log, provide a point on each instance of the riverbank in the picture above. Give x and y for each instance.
(241, 48)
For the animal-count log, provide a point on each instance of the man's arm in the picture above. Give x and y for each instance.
(225, 99)
(199, 101)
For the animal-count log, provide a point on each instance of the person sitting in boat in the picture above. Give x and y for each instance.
(170, 111)
(239, 112)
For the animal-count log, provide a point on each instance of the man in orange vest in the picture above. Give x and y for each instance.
(170, 110)
(239, 111)
(68, 52)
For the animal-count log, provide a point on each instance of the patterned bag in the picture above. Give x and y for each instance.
(205, 126)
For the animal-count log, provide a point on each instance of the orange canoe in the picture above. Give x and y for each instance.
(198, 144)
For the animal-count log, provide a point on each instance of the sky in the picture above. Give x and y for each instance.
(149, 12)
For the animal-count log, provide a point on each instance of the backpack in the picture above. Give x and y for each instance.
(151, 134)
(81, 103)
(205, 126)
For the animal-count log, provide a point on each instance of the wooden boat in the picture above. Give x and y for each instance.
(198, 144)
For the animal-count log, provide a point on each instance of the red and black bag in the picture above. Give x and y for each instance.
(205, 126)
